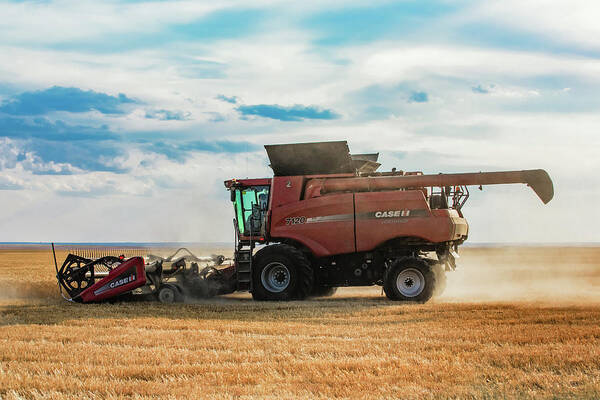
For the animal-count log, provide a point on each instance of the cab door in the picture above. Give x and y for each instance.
(250, 205)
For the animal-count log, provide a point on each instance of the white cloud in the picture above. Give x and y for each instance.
(572, 22)
(80, 20)
(10, 182)
(65, 20)
(505, 91)
(387, 62)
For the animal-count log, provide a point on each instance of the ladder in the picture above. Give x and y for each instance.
(243, 262)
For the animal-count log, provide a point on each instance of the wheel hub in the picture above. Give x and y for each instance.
(166, 295)
(275, 277)
(410, 282)
(280, 277)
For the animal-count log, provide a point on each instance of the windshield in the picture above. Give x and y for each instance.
(250, 205)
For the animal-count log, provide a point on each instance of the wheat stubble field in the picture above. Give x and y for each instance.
(514, 323)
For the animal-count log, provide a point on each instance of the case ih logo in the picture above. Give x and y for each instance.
(122, 281)
(395, 215)
(392, 214)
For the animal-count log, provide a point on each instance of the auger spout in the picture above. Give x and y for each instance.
(537, 179)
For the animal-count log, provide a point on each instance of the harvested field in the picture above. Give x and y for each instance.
(514, 322)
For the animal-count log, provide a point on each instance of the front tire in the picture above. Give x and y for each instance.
(281, 272)
(409, 279)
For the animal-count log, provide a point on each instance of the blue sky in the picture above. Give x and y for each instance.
(128, 115)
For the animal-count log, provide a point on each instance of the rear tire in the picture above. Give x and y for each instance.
(281, 272)
(409, 279)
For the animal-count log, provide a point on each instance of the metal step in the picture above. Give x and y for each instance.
(244, 270)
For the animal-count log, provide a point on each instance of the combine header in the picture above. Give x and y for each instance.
(96, 274)
(326, 219)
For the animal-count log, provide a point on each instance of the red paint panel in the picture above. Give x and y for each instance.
(324, 224)
(401, 214)
(128, 276)
(285, 190)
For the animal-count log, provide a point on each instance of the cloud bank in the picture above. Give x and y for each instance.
(281, 113)
(68, 99)
(142, 111)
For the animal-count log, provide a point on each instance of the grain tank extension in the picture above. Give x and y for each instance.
(328, 219)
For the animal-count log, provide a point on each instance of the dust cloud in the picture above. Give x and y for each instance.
(18, 290)
(541, 273)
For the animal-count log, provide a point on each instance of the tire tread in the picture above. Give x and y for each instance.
(305, 275)
(389, 281)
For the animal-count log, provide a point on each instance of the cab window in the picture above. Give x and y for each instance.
(250, 205)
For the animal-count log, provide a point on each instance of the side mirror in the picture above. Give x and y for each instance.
(232, 195)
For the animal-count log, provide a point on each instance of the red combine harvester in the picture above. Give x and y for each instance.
(328, 219)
